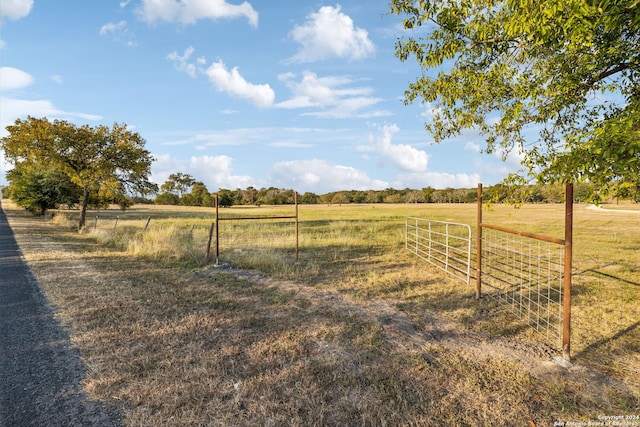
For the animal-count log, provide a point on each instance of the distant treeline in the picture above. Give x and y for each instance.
(183, 190)
(45, 190)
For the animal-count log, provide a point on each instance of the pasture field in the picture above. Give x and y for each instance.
(355, 331)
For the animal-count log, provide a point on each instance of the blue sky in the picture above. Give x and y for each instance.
(302, 95)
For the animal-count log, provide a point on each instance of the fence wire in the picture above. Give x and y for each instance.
(255, 236)
(527, 274)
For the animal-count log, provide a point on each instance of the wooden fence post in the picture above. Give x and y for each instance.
(206, 259)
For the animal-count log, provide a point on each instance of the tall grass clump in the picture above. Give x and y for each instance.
(171, 243)
(118, 239)
(65, 221)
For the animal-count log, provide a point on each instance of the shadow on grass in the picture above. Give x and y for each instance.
(594, 347)
(609, 276)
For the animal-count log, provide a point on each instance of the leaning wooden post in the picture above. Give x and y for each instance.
(206, 259)
(568, 259)
(116, 224)
(147, 224)
(217, 231)
(295, 198)
(479, 246)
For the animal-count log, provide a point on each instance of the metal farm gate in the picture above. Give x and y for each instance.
(446, 245)
(530, 273)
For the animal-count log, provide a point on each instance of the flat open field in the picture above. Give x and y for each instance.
(356, 331)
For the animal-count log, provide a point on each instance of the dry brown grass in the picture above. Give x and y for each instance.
(361, 335)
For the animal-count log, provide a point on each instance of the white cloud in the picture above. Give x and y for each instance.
(403, 156)
(430, 111)
(222, 137)
(437, 180)
(330, 33)
(335, 95)
(263, 136)
(473, 146)
(215, 171)
(13, 109)
(321, 176)
(15, 9)
(224, 80)
(190, 11)
(231, 82)
(181, 63)
(16, 108)
(119, 32)
(500, 163)
(14, 78)
(290, 144)
(513, 158)
(5, 166)
(497, 164)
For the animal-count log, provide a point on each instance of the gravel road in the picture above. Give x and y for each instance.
(40, 372)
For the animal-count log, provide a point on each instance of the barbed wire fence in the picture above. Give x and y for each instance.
(239, 236)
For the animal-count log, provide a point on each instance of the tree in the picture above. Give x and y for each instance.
(309, 198)
(226, 198)
(373, 196)
(42, 188)
(428, 193)
(567, 70)
(178, 183)
(201, 195)
(101, 160)
(340, 199)
(166, 198)
(248, 196)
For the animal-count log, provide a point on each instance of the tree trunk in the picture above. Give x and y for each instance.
(83, 208)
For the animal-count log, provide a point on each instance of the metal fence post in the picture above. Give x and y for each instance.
(295, 199)
(568, 257)
(217, 232)
(479, 245)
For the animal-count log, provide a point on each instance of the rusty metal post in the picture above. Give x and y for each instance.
(217, 232)
(568, 259)
(295, 199)
(479, 245)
